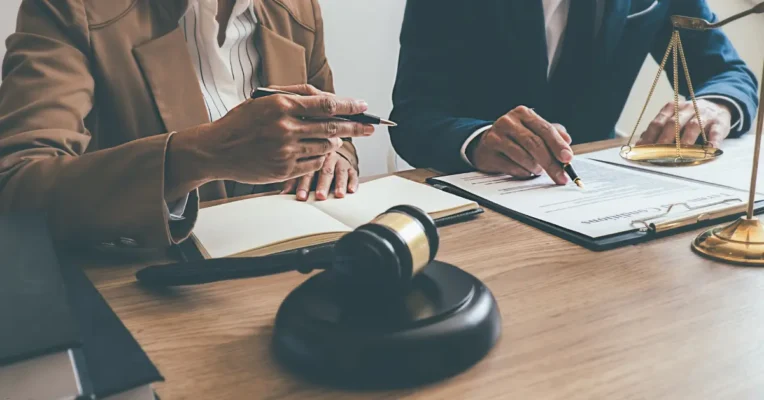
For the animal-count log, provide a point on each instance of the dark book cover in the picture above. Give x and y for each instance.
(35, 315)
(115, 360)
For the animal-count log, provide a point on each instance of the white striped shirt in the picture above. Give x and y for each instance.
(227, 74)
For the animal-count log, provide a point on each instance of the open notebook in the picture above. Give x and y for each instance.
(274, 224)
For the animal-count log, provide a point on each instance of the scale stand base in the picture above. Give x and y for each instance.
(741, 242)
(442, 325)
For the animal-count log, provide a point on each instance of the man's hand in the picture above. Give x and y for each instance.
(268, 140)
(716, 117)
(336, 172)
(523, 144)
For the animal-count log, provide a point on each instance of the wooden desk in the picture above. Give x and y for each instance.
(648, 322)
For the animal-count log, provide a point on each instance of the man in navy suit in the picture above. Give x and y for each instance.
(506, 86)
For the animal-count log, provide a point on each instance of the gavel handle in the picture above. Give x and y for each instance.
(223, 269)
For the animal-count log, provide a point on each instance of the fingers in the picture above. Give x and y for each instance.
(691, 131)
(514, 129)
(564, 133)
(513, 152)
(668, 134)
(717, 119)
(553, 140)
(307, 166)
(717, 132)
(309, 148)
(289, 186)
(352, 180)
(303, 186)
(325, 106)
(333, 129)
(335, 142)
(326, 177)
(655, 128)
(500, 164)
(341, 175)
(304, 89)
(663, 131)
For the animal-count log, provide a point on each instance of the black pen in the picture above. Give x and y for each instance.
(572, 174)
(363, 118)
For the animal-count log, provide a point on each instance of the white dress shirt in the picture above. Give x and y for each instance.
(227, 74)
(556, 20)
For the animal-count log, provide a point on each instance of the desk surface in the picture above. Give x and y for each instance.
(649, 321)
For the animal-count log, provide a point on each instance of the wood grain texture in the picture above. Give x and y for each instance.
(652, 321)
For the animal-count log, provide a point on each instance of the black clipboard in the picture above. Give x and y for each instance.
(594, 244)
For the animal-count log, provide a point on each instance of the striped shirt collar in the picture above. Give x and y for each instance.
(239, 8)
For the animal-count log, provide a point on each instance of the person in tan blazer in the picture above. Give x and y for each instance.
(118, 117)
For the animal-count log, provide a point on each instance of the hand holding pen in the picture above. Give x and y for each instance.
(364, 118)
(338, 173)
(523, 144)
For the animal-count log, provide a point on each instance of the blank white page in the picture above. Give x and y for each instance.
(244, 225)
(377, 196)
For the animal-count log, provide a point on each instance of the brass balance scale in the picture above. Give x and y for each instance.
(741, 242)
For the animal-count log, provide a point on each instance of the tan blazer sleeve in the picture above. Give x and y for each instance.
(46, 95)
(320, 76)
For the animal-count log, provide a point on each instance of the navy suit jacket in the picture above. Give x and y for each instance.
(464, 64)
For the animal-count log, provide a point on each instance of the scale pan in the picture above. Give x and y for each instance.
(665, 155)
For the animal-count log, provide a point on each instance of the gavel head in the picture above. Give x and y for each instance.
(388, 251)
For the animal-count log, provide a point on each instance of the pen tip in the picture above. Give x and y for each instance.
(387, 122)
(579, 183)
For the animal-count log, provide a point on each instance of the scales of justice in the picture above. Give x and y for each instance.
(741, 242)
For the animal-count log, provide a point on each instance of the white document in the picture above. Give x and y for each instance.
(614, 196)
(732, 169)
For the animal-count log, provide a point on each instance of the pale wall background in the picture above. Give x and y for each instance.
(8, 10)
(362, 44)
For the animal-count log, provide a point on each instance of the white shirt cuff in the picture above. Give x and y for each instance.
(469, 140)
(177, 209)
(736, 125)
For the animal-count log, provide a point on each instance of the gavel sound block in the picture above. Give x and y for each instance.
(383, 313)
(413, 321)
(445, 322)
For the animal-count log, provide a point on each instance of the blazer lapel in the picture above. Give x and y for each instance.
(168, 69)
(166, 66)
(283, 62)
(613, 24)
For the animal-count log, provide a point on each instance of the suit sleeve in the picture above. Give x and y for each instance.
(46, 95)
(434, 63)
(716, 69)
(321, 77)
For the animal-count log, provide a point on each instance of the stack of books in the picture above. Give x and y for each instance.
(59, 339)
